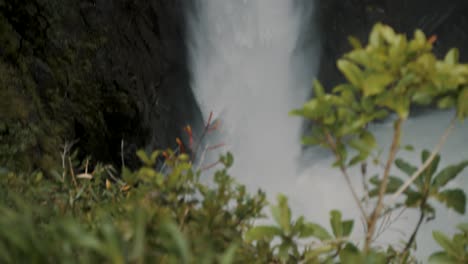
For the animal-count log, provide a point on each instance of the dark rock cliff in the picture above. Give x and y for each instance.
(145, 54)
(94, 71)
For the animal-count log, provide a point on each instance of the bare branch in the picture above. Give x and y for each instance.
(434, 153)
(333, 146)
(383, 187)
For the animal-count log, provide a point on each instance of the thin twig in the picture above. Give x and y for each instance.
(384, 225)
(388, 222)
(334, 148)
(202, 158)
(122, 153)
(364, 183)
(415, 232)
(205, 131)
(72, 172)
(217, 146)
(383, 187)
(209, 166)
(434, 153)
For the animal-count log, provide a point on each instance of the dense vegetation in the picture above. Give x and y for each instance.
(79, 211)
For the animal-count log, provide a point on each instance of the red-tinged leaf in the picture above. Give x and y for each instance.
(188, 130)
(432, 39)
(181, 145)
(209, 119)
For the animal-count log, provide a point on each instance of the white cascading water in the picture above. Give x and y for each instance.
(249, 69)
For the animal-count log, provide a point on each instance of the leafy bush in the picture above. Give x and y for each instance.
(86, 213)
(146, 216)
(388, 77)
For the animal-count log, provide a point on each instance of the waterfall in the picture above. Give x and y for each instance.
(247, 68)
(250, 67)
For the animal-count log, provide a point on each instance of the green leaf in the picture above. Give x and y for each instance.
(446, 102)
(402, 107)
(347, 227)
(314, 230)
(431, 169)
(409, 170)
(376, 83)
(413, 199)
(81, 237)
(462, 105)
(364, 144)
(393, 185)
(229, 254)
(311, 256)
(453, 198)
(388, 34)
(368, 139)
(335, 222)
(227, 160)
(350, 254)
(139, 240)
(445, 243)
(358, 158)
(282, 213)
(452, 56)
(374, 257)
(144, 157)
(422, 98)
(355, 42)
(319, 91)
(441, 258)
(180, 243)
(409, 148)
(262, 233)
(463, 227)
(283, 251)
(405, 167)
(128, 176)
(449, 173)
(352, 72)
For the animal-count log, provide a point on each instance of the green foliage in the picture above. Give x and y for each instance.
(167, 217)
(89, 213)
(430, 185)
(387, 78)
(286, 235)
(455, 250)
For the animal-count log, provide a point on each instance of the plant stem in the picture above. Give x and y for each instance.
(434, 153)
(334, 148)
(72, 172)
(422, 215)
(372, 222)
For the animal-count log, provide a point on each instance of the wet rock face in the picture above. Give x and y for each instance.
(99, 71)
(145, 54)
(339, 19)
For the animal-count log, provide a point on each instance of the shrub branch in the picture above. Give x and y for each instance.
(434, 153)
(333, 147)
(372, 221)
